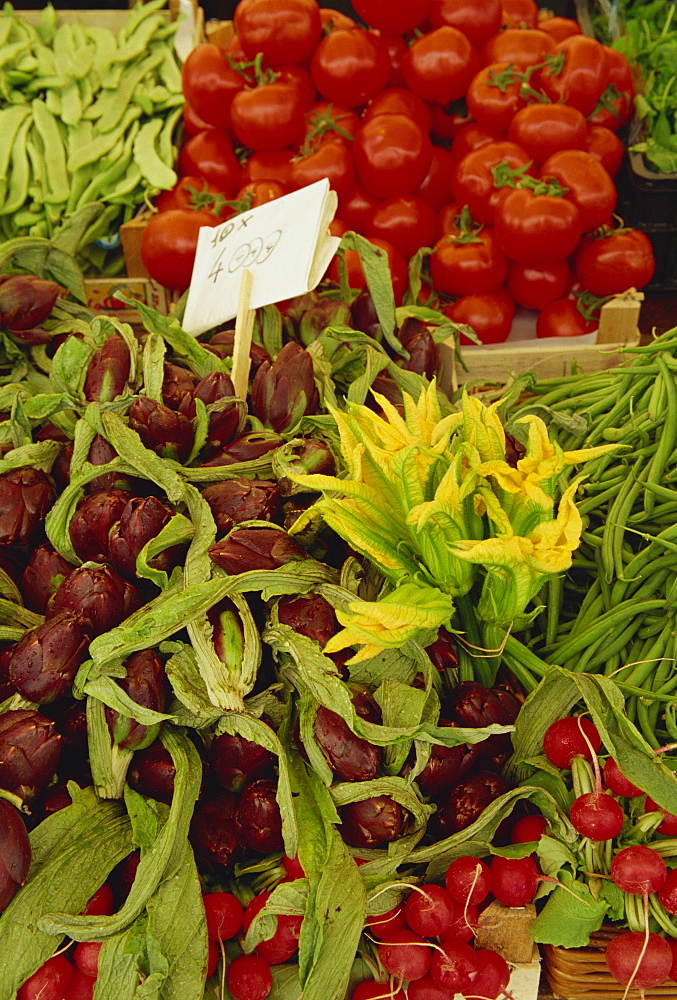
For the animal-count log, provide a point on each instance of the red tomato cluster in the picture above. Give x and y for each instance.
(480, 131)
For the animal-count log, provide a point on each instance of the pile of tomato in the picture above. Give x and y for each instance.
(482, 131)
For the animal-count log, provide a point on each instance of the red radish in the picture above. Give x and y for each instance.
(637, 958)
(564, 740)
(224, 913)
(597, 816)
(639, 870)
(81, 987)
(453, 967)
(429, 910)
(468, 879)
(514, 881)
(404, 955)
(86, 957)
(369, 989)
(528, 829)
(492, 977)
(616, 781)
(212, 959)
(673, 948)
(383, 923)
(669, 824)
(667, 894)
(465, 923)
(425, 989)
(284, 942)
(249, 978)
(49, 982)
(101, 903)
(293, 869)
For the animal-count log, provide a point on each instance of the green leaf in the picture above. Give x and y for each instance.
(72, 858)
(377, 275)
(118, 971)
(567, 921)
(189, 350)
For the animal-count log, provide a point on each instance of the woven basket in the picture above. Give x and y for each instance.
(581, 973)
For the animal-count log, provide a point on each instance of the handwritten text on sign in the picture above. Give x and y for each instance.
(285, 244)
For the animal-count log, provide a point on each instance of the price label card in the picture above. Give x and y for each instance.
(285, 245)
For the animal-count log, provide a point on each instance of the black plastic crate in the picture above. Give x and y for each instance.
(646, 198)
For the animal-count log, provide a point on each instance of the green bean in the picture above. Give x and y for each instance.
(617, 517)
(644, 723)
(607, 621)
(613, 643)
(667, 439)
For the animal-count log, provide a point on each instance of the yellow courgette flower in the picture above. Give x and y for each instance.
(483, 429)
(390, 622)
(544, 459)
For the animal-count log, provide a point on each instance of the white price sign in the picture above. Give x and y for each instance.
(285, 246)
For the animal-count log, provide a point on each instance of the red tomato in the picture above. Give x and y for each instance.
(168, 245)
(272, 164)
(614, 262)
(328, 158)
(396, 17)
(285, 31)
(520, 13)
(495, 96)
(440, 64)
(536, 228)
(356, 210)
(589, 186)
(396, 47)
(576, 73)
(210, 154)
(473, 181)
(298, 77)
(350, 66)
(448, 219)
(192, 123)
(533, 287)
(192, 193)
(559, 27)
(460, 265)
(356, 279)
(446, 121)
(209, 84)
(472, 136)
(335, 20)
(261, 192)
(605, 146)
(521, 46)
(392, 155)
(269, 116)
(409, 223)
(562, 318)
(327, 118)
(490, 315)
(477, 21)
(435, 187)
(615, 105)
(544, 129)
(399, 101)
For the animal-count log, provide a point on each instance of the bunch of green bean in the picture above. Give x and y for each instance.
(86, 116)
(615, 611)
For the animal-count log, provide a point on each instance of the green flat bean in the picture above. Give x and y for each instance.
(148, 160)
(17, 188)
(56, 186)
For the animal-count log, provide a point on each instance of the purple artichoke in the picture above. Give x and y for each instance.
(235, 500)
(258, 822)
(141, 519)
(162, 430)
(321, 314)
(177, 385)
(285, 391)
(101, 452)
(146, 684)
(442, 652)
(26, 496)
(108, 371)
(212, 831)
(237, 761)
(98, 595)
(30, 748)
(424, 354)
(255, 548)
(373, 822)
(308, 614)
(25, 303)
(91, 524)
(246, 448)
(350, 757)
(6, 686)
(43, 575)
(465, 802)
(152, 773)
(46, 658)
(225, 420)
(15, 853)
(222, 343)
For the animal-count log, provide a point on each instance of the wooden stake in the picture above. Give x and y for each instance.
(244, 325)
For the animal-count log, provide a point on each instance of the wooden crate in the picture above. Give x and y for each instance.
(581, 973)
(101, 296)
(548, 358)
